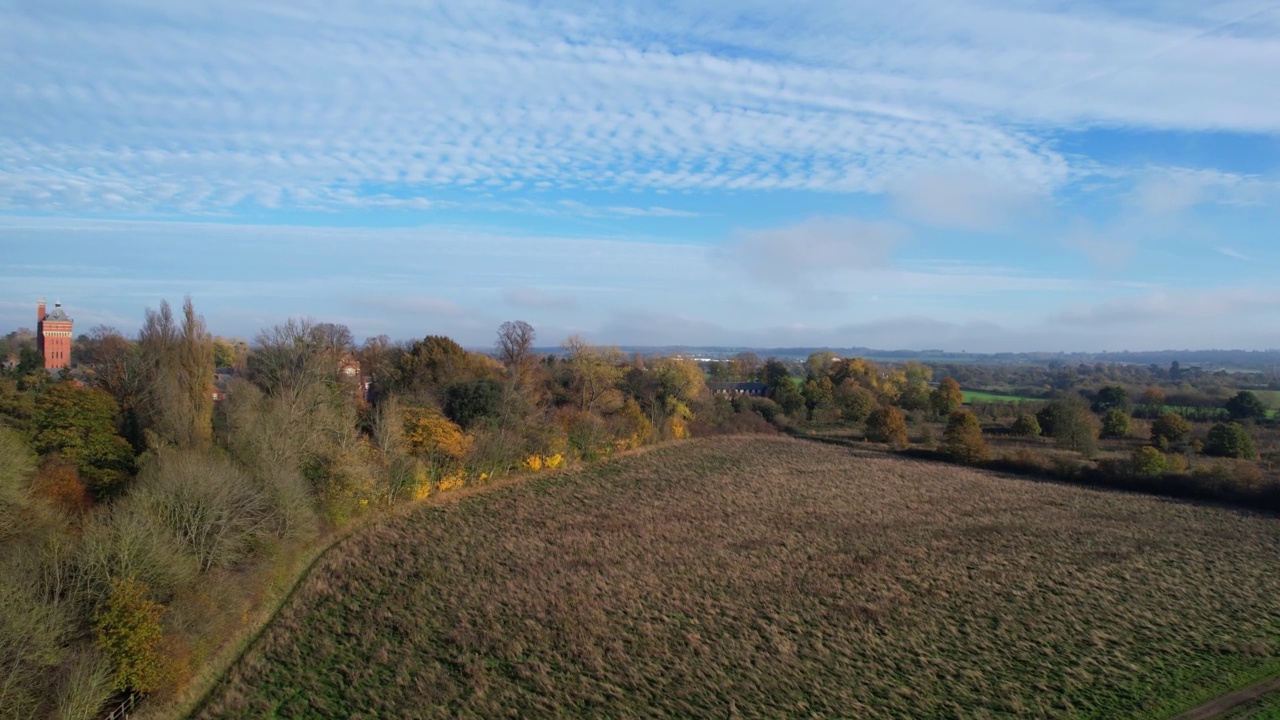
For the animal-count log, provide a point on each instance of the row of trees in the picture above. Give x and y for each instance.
(826, 390)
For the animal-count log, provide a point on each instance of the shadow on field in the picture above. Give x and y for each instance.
(1209, 488)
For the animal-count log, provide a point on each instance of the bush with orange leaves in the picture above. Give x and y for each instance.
(58, 484)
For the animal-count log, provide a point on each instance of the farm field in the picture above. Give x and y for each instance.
(972, 396)
(1270, 398)
(769, 577)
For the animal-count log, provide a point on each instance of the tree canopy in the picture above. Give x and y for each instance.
(1246, 405)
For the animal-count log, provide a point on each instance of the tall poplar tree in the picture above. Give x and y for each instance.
(178, 369)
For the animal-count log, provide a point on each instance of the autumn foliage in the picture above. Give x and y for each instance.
(963, 440)
(127, 629)
(887, 425)
(58, 484)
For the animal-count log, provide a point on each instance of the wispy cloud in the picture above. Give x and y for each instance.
(164, 107)
(1233, 253)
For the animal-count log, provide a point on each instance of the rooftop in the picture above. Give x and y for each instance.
(58, 314)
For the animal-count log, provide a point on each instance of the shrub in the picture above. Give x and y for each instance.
(1171, 431)
(1248, 476)
(1148, 461)
(1026, 426)
(887, 425)
(1230, 440)
(963, 439)
(1116, 423)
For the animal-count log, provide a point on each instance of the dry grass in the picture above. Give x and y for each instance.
(768, 577)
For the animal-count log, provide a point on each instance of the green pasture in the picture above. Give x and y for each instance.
(983, 396)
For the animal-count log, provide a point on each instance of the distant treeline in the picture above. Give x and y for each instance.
(1264, 362)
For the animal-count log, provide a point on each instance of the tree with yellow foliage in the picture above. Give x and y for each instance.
(127, 629)
(946, 398)
(888, 425)
(963, 440)
(432, 436)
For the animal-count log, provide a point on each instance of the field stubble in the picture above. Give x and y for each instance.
(768, 577)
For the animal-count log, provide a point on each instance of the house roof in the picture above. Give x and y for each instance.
(58, 314)
(737, 387)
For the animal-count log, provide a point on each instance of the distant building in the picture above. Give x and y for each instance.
(733, 389)
(53, 336)
(221, 379)
(349, 372)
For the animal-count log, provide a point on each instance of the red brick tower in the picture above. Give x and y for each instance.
(53, 336)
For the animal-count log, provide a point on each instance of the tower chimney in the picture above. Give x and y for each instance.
(39, 311)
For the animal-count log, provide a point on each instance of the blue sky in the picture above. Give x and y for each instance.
(961, 174)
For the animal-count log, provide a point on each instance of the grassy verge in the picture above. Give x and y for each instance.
(765, 577)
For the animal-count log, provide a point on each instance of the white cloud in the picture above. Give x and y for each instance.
(168, 107)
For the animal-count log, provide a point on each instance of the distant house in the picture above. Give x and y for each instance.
(735, 389)
(349, 372)
(221, 379)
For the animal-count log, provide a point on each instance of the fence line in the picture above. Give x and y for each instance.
(123, 709)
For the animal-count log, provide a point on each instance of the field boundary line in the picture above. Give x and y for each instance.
(1224, 704)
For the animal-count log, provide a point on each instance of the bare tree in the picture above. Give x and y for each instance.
(746, 365)
(333, 340)
(32, 643)
(208, 506)
(515, 345)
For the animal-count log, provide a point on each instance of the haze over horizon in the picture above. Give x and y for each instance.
(957, 175)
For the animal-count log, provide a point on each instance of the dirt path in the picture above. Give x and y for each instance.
(1221, 705)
